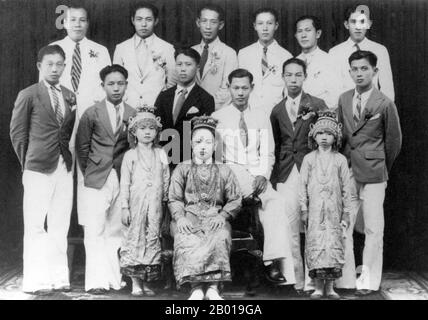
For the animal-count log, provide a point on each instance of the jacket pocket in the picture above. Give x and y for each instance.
(95, 158)
(374, 154)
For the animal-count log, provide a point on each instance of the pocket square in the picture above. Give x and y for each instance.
(192, 110)
(377, 115)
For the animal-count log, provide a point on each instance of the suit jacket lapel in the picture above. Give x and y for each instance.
(66, 104)
(303, 101)
(45, 100)
(371, 106)
(169, 106)
(105, 119)
(283, 113)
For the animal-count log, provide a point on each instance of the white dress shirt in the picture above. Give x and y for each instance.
(94, 57)
(383, 80)
(291, 103)
(59, 94)
(321, 80)
(178, 92)
(364, 97)
(111, 109)
(269, 88)
(258, 157)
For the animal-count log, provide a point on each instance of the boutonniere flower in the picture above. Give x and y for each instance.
(158, 60)
(214, 58)
(272, 69)
(93, 54)
(306, 112)
(71, 100)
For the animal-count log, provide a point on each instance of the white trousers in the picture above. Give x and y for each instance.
(103, 234)
(368, 203)
(46, 197)
(274, 221)
(290, 191)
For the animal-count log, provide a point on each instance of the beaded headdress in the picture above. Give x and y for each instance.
(145, 116)
(326, 122)
(204, 122)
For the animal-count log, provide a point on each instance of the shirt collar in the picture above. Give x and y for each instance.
(310, 55)
(212, 44)
(149, 40)
(248, 109)
(111, 105)
(83, 42)
(364, 96)
(57, 86)
(189, 88)
(271, 46)
(296, 100)
(363, 43)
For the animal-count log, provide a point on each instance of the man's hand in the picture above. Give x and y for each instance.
(126, 217)
(259, 185)
(217, 222)
(304, 218)
(184, 225)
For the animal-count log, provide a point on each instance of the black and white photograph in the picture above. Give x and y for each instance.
(236, 150)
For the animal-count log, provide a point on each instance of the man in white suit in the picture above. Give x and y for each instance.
(264, 60)
(84, 61)
(357, 21)
(320, 76)
(217, 59)
(148, 59)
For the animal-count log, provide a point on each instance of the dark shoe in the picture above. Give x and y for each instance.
(62, 289)
(98, 291)
(364, 292)
(273, 274)
(307, 293)
(301, 293)
(41, 292)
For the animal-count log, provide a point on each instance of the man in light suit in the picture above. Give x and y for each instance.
(148, 59)
(217, 59)
(101, 142)
(371, 142)
(291, 120)
(84, 61)
(178, 105)
(264, 60)
(357, 21)
(320, 75)
(40, 129)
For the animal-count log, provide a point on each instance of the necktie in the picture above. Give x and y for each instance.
(118, 121)
(179, 103)
(142, 56)
(357, 111)
(293, 113)
(265, 65)
(357, 47)
(57, 106)
(243, 130)
(204, 58)
(76, 67)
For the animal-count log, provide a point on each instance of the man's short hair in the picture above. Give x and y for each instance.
(52, 49)
(113, 68)
(362, 54)
(298, 61)
(353, 8)
(240, 73)
(190, 52)
(266, 10)
(77, 6)
(144, 5)
(316, 22)
(212, 7)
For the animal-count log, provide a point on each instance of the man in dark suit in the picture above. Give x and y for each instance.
(291, 120)
(40, 130)
(179, 104)
(101, 142)
(371, 142)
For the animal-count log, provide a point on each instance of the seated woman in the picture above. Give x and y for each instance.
(203, 196)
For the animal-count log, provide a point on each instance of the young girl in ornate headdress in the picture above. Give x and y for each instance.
(143, 187)
(325, 204)
(203, 196)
